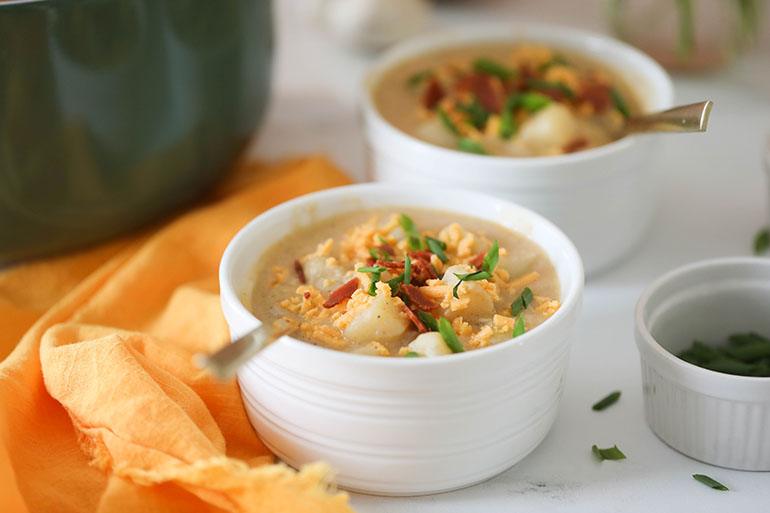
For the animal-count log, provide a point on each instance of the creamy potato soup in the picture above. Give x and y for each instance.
(521, 100)
(407, 283)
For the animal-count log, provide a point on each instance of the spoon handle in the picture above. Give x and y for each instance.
(226, 361)
(687, 118)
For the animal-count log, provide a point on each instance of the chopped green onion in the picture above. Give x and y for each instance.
(418, 78)
(393, 283)
(491, 258)
(448, 123)
(411, 354)
(382, 239)
(407, 269)
(518, 328)
(533, 101)
(379, 254)
(376, 269)
(507, 123)
(620, 104)
(376, 272)
(449, 336)
(559, 86)
(437, 247)
(748, 354)
(413, 236)
(474, 276)
(557, 60)
(487, 266)
(491, 67)
(470, 146)
(477, 114)
(522, 302)
(607, 401)
(428, 320)
(706, 480)
(611, 453)
(762, 241)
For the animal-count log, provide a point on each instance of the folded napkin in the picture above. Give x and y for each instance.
(101, 409)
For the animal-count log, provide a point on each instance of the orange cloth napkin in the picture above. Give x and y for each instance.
(101, 409)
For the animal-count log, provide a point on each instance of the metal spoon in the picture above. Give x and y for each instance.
(685, 118)
(225, 362)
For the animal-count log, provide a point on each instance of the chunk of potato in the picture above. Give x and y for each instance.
(381, 321)
(480, 304)
(549, 130)
(429, 344)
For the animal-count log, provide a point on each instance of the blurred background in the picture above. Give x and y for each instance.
(729, 46)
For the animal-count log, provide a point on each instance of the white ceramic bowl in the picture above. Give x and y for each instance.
(717, 418)
(603, 198)
(403, 426)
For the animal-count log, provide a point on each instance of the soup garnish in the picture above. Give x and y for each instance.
(506, 99)
(419, 284)
(746, 354)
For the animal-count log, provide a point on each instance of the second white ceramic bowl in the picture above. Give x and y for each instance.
(603, 198)
(403, 426)
(717, 418)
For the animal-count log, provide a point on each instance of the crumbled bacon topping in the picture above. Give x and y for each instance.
(478, 260)
(341, 294)
(421, 328)
(417, 298)
(300, 272)
(577, 144)
(433, 94)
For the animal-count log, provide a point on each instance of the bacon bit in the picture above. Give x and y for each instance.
(432, 95)
(420, 255)
(486, 94)
(554, 94)
(300, 272)
(341, 294)
(598, 95)
(370, 262)
(387, 248)
(390, 265)
(577, 144)
(417, 298)
(306, 295)
(422, 271)
(421, 328)
(478, 260)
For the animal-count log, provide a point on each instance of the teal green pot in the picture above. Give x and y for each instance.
(115, 112)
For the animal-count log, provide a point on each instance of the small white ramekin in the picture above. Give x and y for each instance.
(717, 418)
(603, 198)
(403, 426)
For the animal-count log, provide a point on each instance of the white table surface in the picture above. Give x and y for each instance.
(713, 199)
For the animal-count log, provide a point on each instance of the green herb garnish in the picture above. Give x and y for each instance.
(437, 247)
(491, 67)
(412, 235)
(611, 453)
(557, 60)
(559, 86)
(405, 277)
(449, 336)
(374, 269)
(407, 270)
(522, 302)
(706, 480)
(746, 354)
(507, 123)
(519, 328)
(620, 104)
(448, 123)
(487, 266)
(477, 114)
(607, 401)
(418, 78)
(376, 272)
(411, 354)
(762, 241)
(470, 146)
(533, 101)
(428, 320)
(379, 254)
